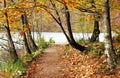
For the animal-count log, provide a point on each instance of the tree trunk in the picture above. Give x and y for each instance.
(109, 51)
(69, 36)
(96, 32)
(26, 44)
(31, 41)
(24, 36)
(32, 45)
(11, 46)
(71, 40)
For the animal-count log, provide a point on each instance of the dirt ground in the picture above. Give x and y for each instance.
(59, 62)
(47, 65)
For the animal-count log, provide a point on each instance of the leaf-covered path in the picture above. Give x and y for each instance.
(58, 61)
(46, 65)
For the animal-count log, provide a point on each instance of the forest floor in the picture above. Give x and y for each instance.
(47, 65)
(60, 62)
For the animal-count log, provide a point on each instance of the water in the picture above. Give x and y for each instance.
(58, 37)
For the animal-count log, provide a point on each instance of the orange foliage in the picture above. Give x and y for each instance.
(25, 29)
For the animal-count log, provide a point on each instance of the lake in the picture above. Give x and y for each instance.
(58, 37)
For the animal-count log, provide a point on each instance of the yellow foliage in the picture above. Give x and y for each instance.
(0, 1)
(36, 10)
(20, 0)
(88, 17)
(2, 19)
(25, 29)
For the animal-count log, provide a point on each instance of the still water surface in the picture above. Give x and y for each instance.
(58, 37)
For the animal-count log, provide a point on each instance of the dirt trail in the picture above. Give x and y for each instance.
(48, 64)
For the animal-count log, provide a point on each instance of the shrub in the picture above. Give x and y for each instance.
(11, 69)
(82, 41)
(51, 41)
(42, 43)
(96, 49)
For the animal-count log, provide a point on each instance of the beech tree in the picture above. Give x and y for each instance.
(109, 51)
(32, 43)
(96, 31)
(24, 35)
(58, 19)
(25, 8)
(11, 45)
(92, 9)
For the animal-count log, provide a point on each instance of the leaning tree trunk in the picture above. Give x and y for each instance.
(26, 44)
(69, 36)
(109, 51)
(11, 46)
(96, 32)
(31, 41)
(24, 36)
(71, 40)
(32, 45)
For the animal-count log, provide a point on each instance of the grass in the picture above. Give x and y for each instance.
(29, 57)
(11, 69)
(96, 49)
(83, 41)
(42, 43)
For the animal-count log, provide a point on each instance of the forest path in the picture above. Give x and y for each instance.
(47, 65)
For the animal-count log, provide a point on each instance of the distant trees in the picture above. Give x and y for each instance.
(92, 9)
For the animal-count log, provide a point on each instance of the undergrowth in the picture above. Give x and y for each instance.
(12, 69)
(96, 49)
(83, 41)
(42, 43)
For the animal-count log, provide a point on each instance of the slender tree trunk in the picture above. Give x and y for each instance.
(96, 32)
(32, 45)
(69, 36)
(11, 46)
(26, 44)
(24, 37)
(72, 41)
(109, 51)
